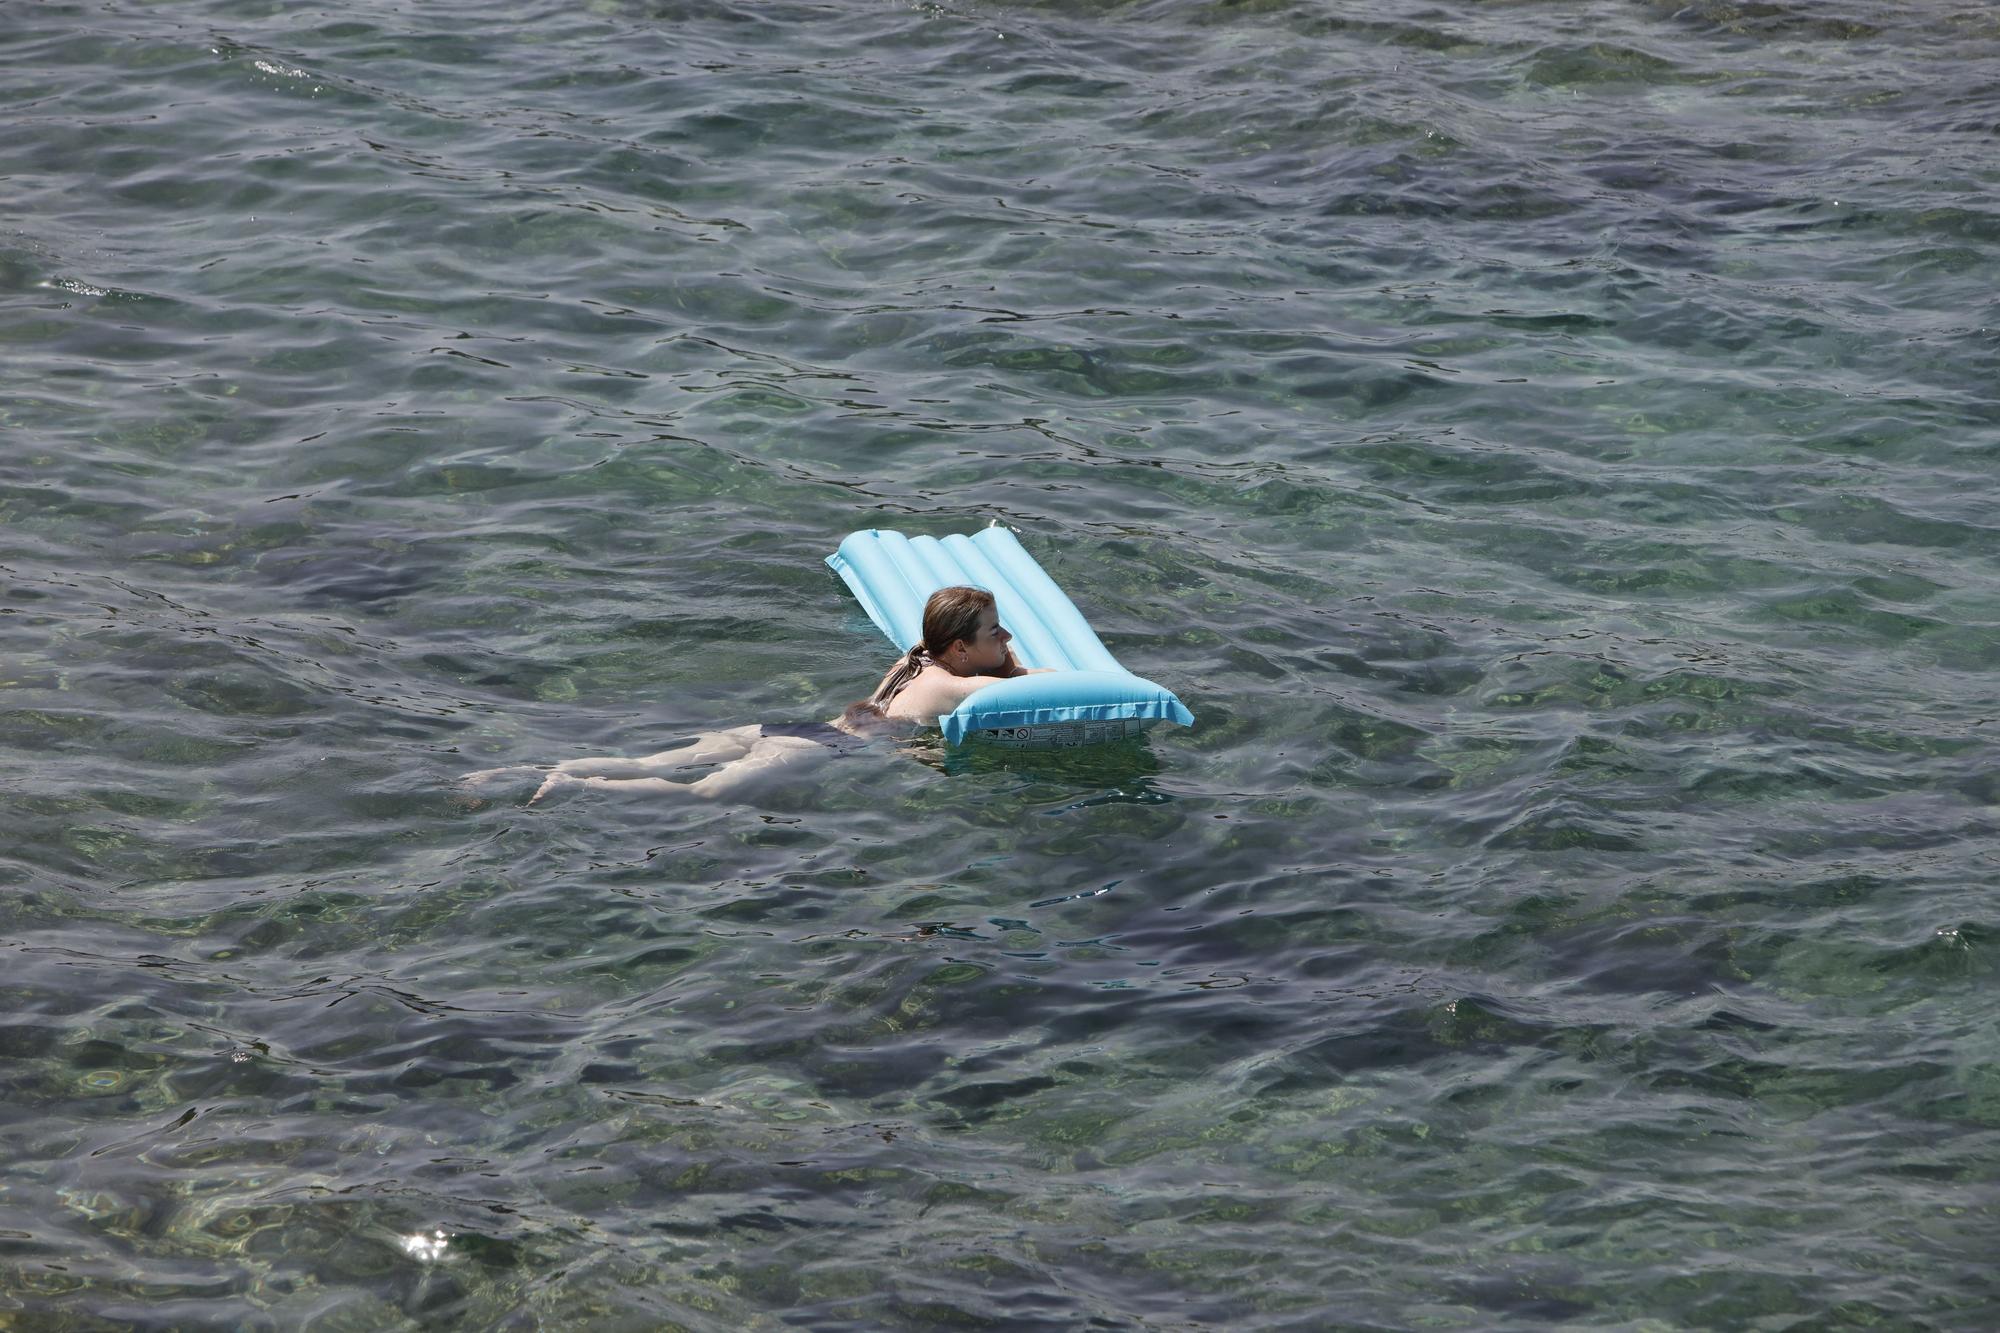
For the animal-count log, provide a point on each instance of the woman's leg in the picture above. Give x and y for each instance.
(556, 782)
(770, 756)
(710, 747)
(761, 757)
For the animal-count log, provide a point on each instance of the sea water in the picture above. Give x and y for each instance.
(1550, 446)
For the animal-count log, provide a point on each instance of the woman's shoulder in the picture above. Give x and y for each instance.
(934, 692)
(919, 700)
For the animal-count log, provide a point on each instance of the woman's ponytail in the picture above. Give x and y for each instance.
(876, 705)
(900, 675)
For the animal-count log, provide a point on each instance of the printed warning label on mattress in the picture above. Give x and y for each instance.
(1062, 735)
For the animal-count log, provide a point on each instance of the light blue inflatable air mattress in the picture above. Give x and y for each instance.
(1085, 696)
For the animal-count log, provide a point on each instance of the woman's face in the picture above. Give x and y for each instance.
(986, 651)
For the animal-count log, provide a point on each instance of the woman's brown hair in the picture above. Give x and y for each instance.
(951, 614)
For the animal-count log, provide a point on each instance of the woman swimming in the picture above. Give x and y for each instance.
(965, 648)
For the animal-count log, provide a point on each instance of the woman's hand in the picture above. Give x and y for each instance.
(1012, 667)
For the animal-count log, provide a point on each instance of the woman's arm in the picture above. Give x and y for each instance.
(958, 689)
(955, 690)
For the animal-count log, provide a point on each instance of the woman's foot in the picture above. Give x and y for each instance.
(555, 782)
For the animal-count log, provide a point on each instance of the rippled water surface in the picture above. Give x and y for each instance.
(1550, 446)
